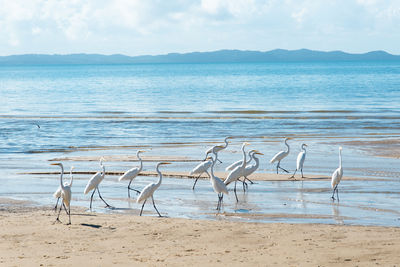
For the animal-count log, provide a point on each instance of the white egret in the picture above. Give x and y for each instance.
(65, 194)
(300, 161)
(236, 173)
(218, 148)
(217, 184)
(281, 155)
(337, 176)
(148, 191)
(201, 168)
(252, 168)
(239, 162)
(57, 194)
(94, 182)
(132, 173)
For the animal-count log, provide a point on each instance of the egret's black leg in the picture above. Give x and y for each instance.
(293, 174)
(249, 180)
(234, 190)
(137, 191)
(337, 193)
(91, 198)
(142, 207)
(333, 194)
(302, 176)
(69, 214)
(154, 205)
(220, 197)
(55, 208)
(243, 185)
(59, 211)
(129, 188)
(277, 166)
(107, 206)
(196, 181)
(66, 211)
(283, 169)
(129, 194)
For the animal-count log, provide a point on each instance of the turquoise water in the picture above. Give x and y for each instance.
(179, 109)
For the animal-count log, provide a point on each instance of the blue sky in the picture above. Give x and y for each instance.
(137, 27)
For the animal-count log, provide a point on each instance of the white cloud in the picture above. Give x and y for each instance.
(156, 26)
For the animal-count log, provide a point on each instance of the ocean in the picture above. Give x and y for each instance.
(78, 113)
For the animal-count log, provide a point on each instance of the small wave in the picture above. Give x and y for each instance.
(175, 112)
(253, 111)
(332, 111)
(108, 112)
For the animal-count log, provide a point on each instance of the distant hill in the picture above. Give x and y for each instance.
(221, 56)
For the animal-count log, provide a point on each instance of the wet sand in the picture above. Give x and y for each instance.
(253, 177)
(32, 238)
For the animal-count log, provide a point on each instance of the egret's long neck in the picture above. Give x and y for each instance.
(61, 176)
(244, 157)
(141, 162)
(159, 176)
(103, 168)
(256, 160)
(288, 148)
(304, 149)
(250, 157)
(212, 165)
(71, 177)
(226, 142)
(340, 158)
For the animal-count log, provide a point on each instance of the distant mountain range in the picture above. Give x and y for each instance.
(221, 56)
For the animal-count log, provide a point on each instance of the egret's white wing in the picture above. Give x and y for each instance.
(278, 156)
(147, 192)
(129, 174)
(234, 165)
(93, 182)
(219, 186)
(202, 167)
(300, 160)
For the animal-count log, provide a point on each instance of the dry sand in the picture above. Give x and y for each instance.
(30, 237)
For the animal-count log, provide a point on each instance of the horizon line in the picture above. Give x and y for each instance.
(208, 51)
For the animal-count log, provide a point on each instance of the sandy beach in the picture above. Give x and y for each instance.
(31, 237)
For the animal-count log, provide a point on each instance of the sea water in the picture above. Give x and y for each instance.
(52, 112)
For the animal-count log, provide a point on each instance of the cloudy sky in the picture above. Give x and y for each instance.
(137, 27)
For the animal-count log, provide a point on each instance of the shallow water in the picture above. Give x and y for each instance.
(361, 203)
(60, 112)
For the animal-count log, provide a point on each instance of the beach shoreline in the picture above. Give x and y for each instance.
(32, 237)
